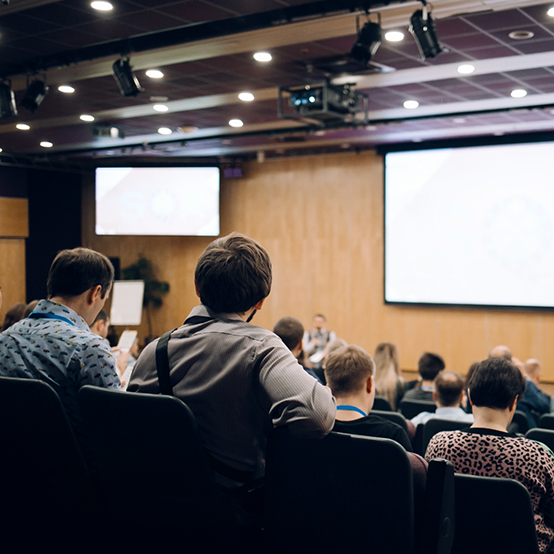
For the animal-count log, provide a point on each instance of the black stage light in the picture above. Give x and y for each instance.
(367, 43)
(35, 94)
(125, 78)
(7, 100)
(423, 29)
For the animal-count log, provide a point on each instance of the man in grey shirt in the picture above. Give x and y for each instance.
(238, 379)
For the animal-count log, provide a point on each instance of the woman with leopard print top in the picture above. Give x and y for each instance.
(494, 389)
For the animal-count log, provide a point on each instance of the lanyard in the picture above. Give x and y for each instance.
(38, 315)
(351, 409)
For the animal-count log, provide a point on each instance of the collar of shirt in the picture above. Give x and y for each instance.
(46, 306)
(204, 311)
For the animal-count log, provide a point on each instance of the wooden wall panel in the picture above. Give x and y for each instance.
(321, 219)
(14, 217)
(12, 273)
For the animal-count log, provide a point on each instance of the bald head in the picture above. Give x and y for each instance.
(501, 351)
(532, 368)
(449, 387)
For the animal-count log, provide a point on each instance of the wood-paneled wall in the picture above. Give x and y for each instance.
(321, 219)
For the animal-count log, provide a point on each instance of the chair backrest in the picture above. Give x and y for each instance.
(493, 516)
(546, 421)
(34, 424)
(410, 408)
(342, 492)
(546, 436)
(436, 425)
(153, 465)
(382, 404)
(519, 424)
(395, 417)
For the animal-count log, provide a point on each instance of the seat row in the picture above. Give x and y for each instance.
(153, 482)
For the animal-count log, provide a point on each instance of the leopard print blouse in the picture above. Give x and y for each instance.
(494, 454)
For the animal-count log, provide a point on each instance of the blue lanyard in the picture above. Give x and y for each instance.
(38, 315)
(351, 409)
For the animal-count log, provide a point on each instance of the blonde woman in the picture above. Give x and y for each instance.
(389, 382)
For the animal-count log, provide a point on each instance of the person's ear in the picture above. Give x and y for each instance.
(435, 396)
(259, 305)
(369, 385)
(94, 294)
(513, 404)
(469, 397)
(196, 289)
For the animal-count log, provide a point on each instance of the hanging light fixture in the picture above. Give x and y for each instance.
(367, 42)
(7, 100)
(35, 94)
(125, 78)
(423, 29)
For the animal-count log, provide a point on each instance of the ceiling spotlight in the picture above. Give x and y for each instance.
(262, 56)
(23, 126)
(66, 89)
(466, 69)
(246, 96)
(101, 6)
(125, 78)
(411, 104)
(236, 123)
(1, 150)
(165, 131)
(423, 29)
(86, 117)
(36, 92)
(394, 36)
(550, 12)
(46, 144)
(518, 93)
(367, 43)
(160, 108)
(7, 100)
(154, 74)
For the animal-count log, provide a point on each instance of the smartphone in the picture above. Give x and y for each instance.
(126, 340)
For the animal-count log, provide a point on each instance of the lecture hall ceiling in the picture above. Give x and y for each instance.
(205, 51)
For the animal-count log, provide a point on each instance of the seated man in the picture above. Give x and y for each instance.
(349, 373)
(534, 402)
(290, 330)
(239, 380)
(429, 366)
(55, 343)
(448, 395)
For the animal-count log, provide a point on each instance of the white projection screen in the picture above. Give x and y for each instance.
(171, 201)
(470, 226)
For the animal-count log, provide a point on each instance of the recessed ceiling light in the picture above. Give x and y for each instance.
(101, 6)
(466, 69)
(23, 126)
(246, 96)
(154, 74)
(521, 35)
(86, 117)
(160, 108)
(236, 123)
(459, 120)
(550, 12)
(262, 56)
(165, 131)
(66, 89)
(394, 36)
(46, 144)
(411, 104)
(0, 149)
(518, 93)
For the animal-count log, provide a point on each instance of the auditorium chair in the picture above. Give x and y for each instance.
(430, 428)
(154, 469)
(519, 424)
(546, 436)
(382, 404)
(45, 479)
(344, 493)
(493, 516)
(546, 421)
(395, 417)
(410, 408)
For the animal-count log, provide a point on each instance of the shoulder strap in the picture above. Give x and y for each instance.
(162, 364)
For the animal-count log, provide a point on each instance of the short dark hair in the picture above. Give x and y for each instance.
(290, 331)
(495, 383)
(429, 366)
(347, 369)
(233, 274)
(449, 387)
(75, 271)
(102, 316)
